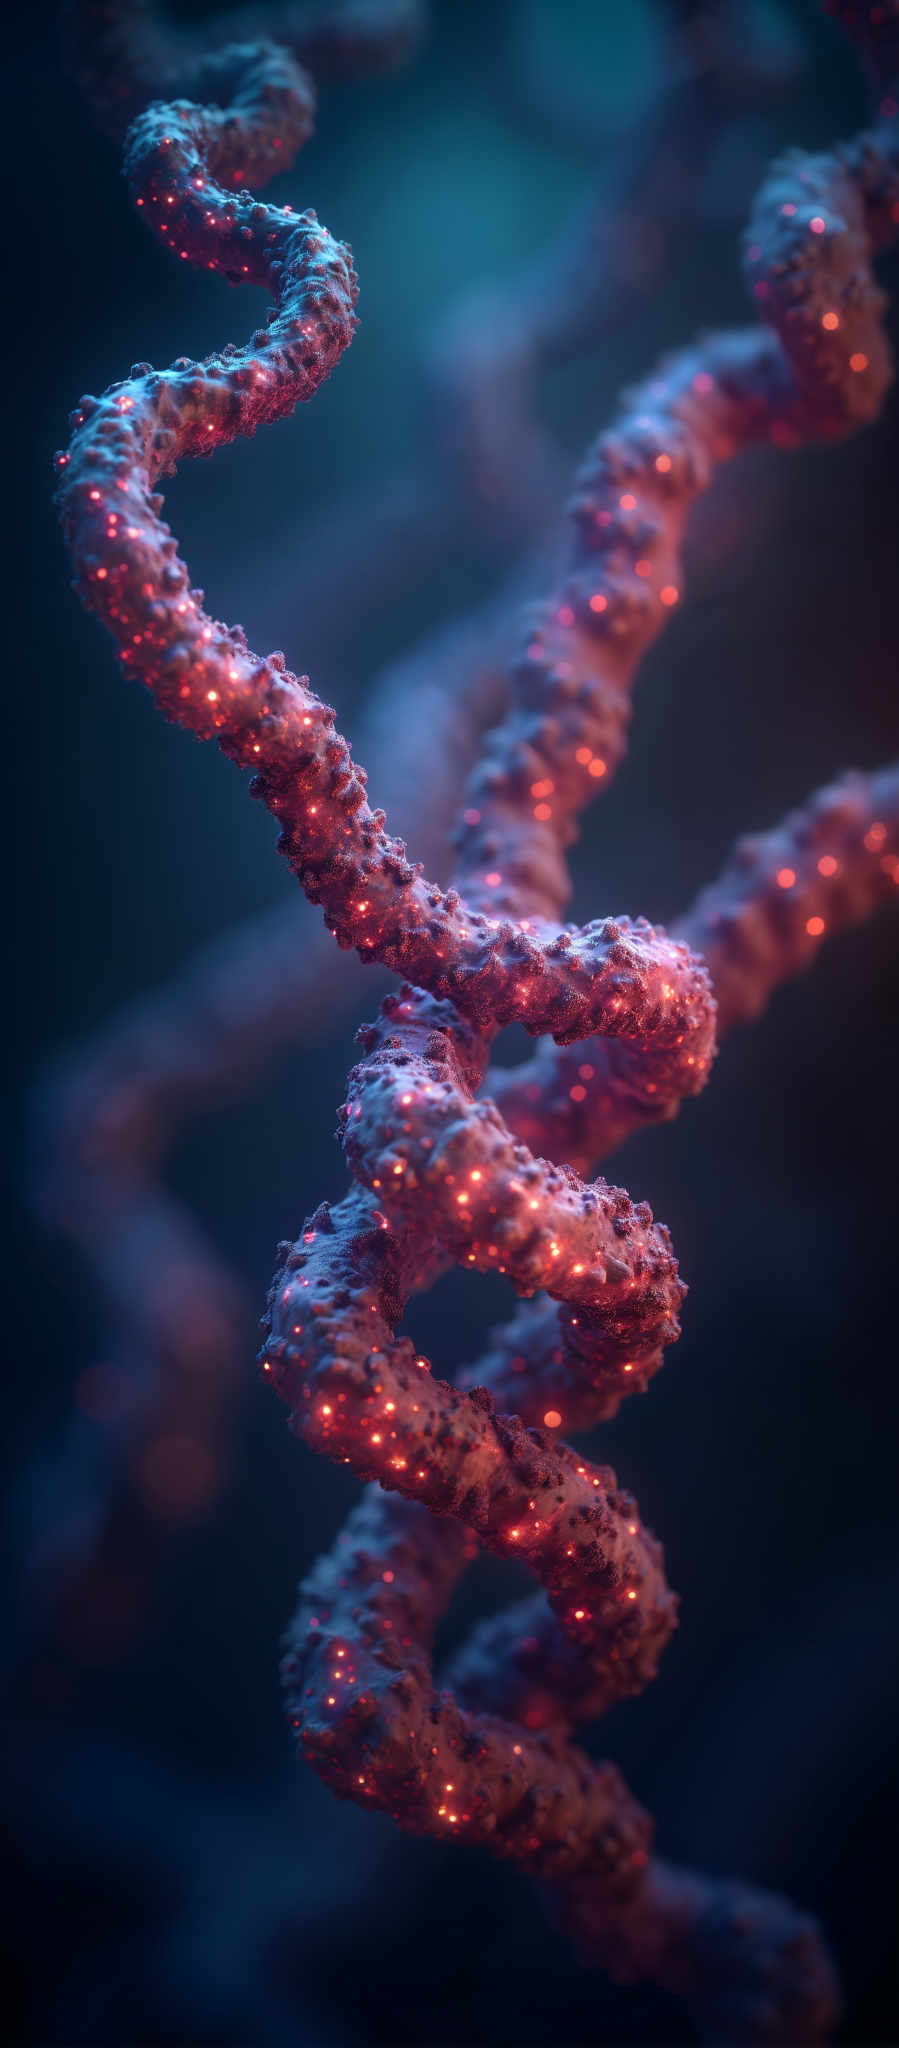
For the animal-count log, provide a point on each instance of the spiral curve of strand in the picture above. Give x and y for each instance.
(442, 1174)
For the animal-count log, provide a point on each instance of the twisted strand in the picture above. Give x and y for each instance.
(438, 1173)
(108, 1114)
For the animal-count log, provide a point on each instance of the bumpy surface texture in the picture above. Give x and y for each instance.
(483, 467)
(441, 1173)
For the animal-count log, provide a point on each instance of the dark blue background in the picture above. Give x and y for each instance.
(177, 1879)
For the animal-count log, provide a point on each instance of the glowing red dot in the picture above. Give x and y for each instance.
(577, 1093)
(598, 602)
(785, 878)
(827, 865)
(858, 361)
(669, 593)
(817, 225)
(814, 927)
(830, 321)
(493, 879)
(552, 1418)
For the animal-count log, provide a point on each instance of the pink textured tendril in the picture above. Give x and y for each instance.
(111, 1110)
(440, 1175)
